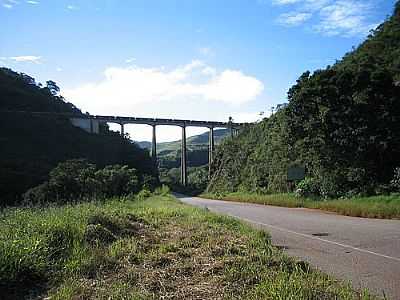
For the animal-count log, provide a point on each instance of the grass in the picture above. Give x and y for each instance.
(382, 207)
(148, 249)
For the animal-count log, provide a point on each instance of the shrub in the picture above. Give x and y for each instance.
(198, 178)
(395, 182)
(72, 180)
(308, 187)
(164, 190)
(143, 194)
(37, 195)
(77, 179)
(116, 180)
(149, 182)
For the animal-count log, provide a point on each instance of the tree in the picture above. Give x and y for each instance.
(52, 87)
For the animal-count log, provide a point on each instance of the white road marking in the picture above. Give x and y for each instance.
(317, 238)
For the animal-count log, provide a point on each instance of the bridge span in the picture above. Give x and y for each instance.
(91, 124)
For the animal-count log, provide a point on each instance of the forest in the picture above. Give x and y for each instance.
(31, 146)
(340, 123)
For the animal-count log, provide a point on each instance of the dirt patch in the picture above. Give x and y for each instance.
(179, 262)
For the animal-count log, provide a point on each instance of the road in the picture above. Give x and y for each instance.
(365, 252)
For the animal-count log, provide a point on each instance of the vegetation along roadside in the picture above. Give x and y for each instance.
(148, 246)
(382, 207)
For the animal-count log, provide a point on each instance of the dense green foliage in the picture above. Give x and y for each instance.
(396, 180)
(32, 145)
(197, 179)
(77, 179)
(342, 123)
(148, 249)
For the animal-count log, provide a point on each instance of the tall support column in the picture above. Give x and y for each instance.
(210, 149)
(122, 130)
(91, 125)
(154, 145)
(183, 158)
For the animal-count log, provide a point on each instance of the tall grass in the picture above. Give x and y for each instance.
(148, 249)
(384, 207)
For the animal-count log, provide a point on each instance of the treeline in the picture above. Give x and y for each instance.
(341, 123)
(31, 146)
(77, 179)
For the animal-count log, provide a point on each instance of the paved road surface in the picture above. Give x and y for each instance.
(364, 251)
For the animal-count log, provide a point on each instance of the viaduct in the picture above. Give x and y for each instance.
(92, 123)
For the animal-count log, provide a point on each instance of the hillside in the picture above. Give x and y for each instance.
(30, 146)
(169, 153)
(191, 142)
(341, 123)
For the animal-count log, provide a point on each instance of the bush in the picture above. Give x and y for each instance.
(308, 187)
(143, 194)
(395, 182)
(198, 178)
(37, 195)
(72, 180)
(164, 190)
(117, 181)
(77, 179)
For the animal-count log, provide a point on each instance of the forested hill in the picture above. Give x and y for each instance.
(195, 141)
(342, 123)
(30, 146)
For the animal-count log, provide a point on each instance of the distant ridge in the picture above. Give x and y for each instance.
(195, 141)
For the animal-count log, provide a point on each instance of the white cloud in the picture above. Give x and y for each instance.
(285, 2)
(130, 60)
(26, 58)
(72, 7)
(247, 117)
(293, 18)
(133, 86)
(332, 17)
(209, 71)
(347, 18)
(9, 3)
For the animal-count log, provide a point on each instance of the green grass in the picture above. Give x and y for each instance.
(148, 249)
(383, 207)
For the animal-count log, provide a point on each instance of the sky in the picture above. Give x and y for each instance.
(186, 59)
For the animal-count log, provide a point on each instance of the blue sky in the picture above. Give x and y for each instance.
(203, 59)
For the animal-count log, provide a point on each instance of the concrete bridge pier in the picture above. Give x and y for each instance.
(183, 158)
(122, 129)
(210, 149)
(154, 145)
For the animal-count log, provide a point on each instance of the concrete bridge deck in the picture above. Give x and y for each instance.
(91, 124)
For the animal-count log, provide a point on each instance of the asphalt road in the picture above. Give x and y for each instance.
(365, 252)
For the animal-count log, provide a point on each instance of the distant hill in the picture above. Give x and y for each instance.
(193, 142)
(144, 144)
(169, 153)
(30, 146)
